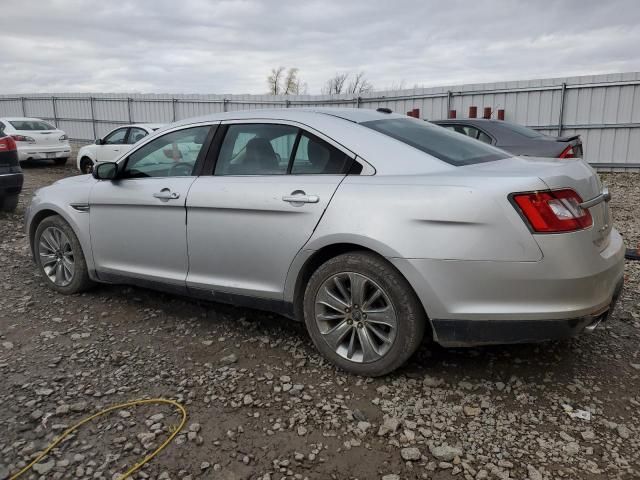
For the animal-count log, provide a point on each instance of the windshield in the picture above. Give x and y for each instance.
(31, 125)
(450, 147)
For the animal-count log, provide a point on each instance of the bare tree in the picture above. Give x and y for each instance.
(285, 82)
(291, 82)
(335, 84)
(274, 80)
(359, 84)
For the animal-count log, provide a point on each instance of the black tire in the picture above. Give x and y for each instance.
(60, 161)
(86, 165)
(9, 203)
(80, 280)
(411, 318)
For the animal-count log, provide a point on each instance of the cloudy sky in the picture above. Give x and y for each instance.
(200, 46)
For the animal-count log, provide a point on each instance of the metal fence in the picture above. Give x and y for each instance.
(603, 109)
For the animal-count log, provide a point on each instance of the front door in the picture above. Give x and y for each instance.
(247, 221)
(137, 221)
(112, 145)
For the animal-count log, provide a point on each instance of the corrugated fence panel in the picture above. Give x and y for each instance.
(603, 109)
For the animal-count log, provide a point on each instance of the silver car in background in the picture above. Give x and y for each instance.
(371, 227)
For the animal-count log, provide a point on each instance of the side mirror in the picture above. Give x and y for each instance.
(105, 171)
(99, 141)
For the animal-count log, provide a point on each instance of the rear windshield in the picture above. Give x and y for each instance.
(31, 125)
(448, 146)
(519, 129)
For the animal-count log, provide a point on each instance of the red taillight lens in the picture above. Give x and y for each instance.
(7, 144)
(22, 138)
(553, 211)
(568, 153)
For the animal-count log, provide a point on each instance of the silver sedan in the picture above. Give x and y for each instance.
(374, 229)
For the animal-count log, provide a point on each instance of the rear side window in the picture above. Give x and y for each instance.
(31, 125)
(315, 156)
(445, 145)
(272, 149)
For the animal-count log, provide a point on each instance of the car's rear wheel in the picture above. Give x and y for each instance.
(362, 314)
(86, 165)
(59, 256)
(9, 203)
(60, 161)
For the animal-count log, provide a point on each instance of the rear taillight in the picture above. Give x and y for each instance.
(568, 152)
(7, 144)
(23, 138)
(553, 211)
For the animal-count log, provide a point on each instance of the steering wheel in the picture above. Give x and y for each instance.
(181, 169)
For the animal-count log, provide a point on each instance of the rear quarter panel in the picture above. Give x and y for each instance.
(430, 216)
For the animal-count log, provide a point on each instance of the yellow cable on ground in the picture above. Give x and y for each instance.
(111, 409)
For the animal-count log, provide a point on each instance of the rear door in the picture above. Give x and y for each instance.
(245, 223)
(113, 145)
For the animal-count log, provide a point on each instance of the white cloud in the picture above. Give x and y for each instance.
(230, 46)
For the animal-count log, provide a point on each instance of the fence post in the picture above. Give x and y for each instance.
(225, 104)
(449, 104)
(23, 101)
(129, 100)
(93, 117)
(173, 108)
(560, 120)
(287, 103)
(55, 111)
(358, 101)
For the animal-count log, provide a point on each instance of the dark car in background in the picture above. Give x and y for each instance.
(515, 138)
(11, 177)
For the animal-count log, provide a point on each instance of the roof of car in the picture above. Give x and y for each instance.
(18, 119)
(357, 115)
(470, 120)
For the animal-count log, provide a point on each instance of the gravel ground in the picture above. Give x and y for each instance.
(262, 404)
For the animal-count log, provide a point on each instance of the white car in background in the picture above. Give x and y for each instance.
(113, 144)
(37, 139)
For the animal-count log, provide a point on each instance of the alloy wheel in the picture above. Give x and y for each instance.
(56, 256)
(355, 317)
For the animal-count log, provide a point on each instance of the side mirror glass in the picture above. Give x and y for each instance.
(105, 171)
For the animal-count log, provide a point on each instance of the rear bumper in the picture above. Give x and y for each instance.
(10, 184)
(464, 333)
(485, 302)
(35, 152)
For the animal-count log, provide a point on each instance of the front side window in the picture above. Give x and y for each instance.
(441, 143)
(116, 137)
(256, 149)
(31, 125)
(171, 155)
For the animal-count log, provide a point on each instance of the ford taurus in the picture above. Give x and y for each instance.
(373, 228)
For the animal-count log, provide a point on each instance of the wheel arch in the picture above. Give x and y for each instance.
(50, 210)
(327, 252)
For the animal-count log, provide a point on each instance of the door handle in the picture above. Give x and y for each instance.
(166, 194)
(301, 198)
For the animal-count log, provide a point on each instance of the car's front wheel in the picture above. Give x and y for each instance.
(362, 314)
(59, 256)
(86, 165)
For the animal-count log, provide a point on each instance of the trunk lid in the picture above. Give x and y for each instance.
(44, 138)
(572, 173)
